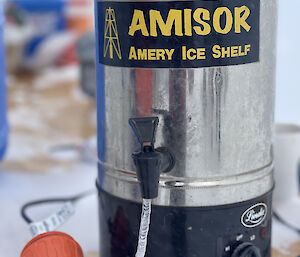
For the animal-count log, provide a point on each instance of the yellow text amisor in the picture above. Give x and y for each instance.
(179, 22)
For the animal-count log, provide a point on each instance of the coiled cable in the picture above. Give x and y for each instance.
(144, 228)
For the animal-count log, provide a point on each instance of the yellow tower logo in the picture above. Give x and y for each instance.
(111, 37)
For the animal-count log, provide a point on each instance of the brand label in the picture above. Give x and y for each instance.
(255, 215)
(178, 34)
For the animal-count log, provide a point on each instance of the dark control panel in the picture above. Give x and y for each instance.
(236, 230)
(245, 244)
(246, 250)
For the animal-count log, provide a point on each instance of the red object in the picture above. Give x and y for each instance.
(144, 90)
(263, 233)
(52, 244)
(68, 57)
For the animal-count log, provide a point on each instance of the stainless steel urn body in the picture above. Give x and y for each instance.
(217, 121)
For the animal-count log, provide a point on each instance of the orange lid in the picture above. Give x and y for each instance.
(52, 244)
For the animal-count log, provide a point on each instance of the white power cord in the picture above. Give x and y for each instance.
(144, 228)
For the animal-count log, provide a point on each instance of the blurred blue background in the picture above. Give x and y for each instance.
(3, 102)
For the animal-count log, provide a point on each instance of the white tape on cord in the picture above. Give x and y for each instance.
(54, 221)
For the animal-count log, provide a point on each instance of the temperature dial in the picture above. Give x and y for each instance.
(246, 250)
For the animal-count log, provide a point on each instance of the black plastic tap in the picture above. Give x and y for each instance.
(147, 160)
